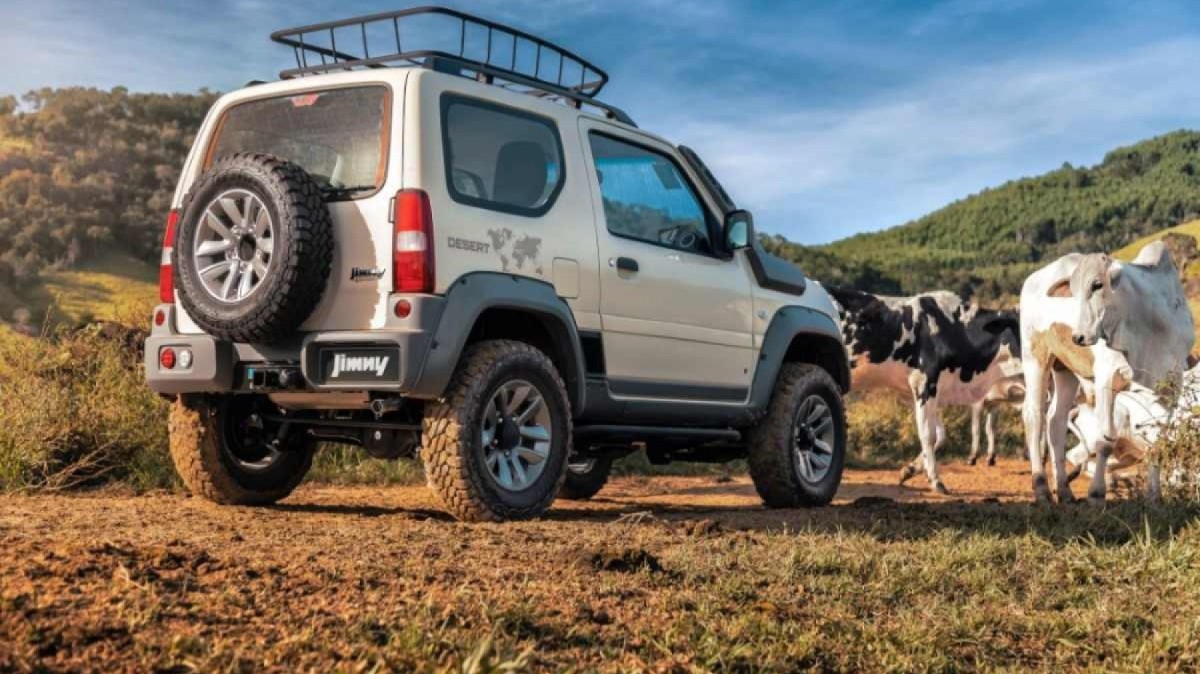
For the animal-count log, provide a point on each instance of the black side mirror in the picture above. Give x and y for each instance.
(739, 230)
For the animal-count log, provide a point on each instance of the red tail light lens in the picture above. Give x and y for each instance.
(412, 252)
(166, 358)
(166, 274)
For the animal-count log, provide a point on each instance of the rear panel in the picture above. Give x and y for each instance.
(344, 130)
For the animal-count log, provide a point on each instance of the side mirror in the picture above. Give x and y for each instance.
(739, 230)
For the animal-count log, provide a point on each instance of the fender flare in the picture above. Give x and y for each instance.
(471, 295)
(788, 324)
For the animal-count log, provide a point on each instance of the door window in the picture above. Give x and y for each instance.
(647, 197)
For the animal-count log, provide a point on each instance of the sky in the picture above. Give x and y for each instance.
(824, 118)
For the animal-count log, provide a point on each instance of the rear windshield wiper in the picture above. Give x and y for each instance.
(335, 192)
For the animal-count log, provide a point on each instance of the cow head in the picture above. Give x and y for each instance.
(1092, 286)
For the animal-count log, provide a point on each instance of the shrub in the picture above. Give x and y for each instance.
(77, 412)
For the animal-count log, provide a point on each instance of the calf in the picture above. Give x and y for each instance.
(1088, 317)
(934, 347)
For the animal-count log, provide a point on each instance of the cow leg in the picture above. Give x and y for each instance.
(976, 422)
(1033, 413)
(1065, 387)
(1096, 492)
(1153, 483)
(933, 434)
(989, 422)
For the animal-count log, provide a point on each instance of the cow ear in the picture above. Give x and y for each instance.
(1060, 289)
(1114, 274)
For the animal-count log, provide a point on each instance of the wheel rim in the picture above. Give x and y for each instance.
(813, 436)
(249, 440)
(516, 435)
(234, 245)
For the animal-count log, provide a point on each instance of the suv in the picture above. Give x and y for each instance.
(473, 258)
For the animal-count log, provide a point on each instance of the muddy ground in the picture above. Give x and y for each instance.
(662, 574)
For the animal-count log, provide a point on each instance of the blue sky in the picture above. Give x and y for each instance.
(825, 118)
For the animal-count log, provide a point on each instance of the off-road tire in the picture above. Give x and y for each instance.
(452, 444)
(300, 262)
(581, 486)
(772, 457)
(197, 450)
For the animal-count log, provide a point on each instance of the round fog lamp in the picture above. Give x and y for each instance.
(166, 358)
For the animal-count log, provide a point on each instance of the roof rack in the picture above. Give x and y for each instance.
(495, 53)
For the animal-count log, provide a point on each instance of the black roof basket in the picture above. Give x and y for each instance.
(473, 46)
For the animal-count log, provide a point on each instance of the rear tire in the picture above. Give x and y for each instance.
(585, 478)
(491, 453)
(222, 450)
(798, 450)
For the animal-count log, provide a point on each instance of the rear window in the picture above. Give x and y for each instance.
(500, 158)
(339, 136)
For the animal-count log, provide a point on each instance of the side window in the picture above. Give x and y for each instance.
(647, 197)
(500, 158)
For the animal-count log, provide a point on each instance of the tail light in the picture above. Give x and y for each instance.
(412, 253)
(166, 279)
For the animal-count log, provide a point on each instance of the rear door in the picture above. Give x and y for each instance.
(676, 315)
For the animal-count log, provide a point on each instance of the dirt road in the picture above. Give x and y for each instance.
(672, 574)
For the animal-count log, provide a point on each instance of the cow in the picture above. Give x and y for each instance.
(1007, 391)
(1090, 317)
(934, 347)
(1140, 415)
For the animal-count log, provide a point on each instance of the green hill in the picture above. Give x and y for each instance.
(110, 286)
(987, 243)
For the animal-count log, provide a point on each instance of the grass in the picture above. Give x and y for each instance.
(112, 286)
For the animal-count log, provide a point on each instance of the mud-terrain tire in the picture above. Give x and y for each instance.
(285, 260)
(208, 447)
(585, 478)
(788, 467)
(456, 449)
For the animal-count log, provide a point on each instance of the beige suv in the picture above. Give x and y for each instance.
(449, 246)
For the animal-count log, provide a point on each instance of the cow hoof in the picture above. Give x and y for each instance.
(1065, 495)
(1096, 498)
(940, 488)
(992, 460)
(1075, 473)
(971, 461)
(907, 474)
(1041, 492)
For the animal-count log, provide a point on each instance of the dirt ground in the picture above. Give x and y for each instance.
(378, 579)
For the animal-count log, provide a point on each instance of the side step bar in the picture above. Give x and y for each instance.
(617, 433)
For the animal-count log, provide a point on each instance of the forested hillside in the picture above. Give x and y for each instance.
(83, 170)
(989, 242)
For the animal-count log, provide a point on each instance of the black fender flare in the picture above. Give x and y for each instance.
(471, 295)
(788, 324)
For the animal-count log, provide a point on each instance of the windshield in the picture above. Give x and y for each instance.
(337, 136)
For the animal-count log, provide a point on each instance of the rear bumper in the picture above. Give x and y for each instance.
(219, 366)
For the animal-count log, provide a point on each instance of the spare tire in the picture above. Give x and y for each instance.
(254, 248)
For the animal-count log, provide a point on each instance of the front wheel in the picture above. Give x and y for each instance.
(496, 444)
(798, 450)
(229, 451)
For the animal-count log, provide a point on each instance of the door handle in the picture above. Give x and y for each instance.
(625, 264)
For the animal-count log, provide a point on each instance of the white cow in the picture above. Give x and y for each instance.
(1089, 317)
(1140, 415)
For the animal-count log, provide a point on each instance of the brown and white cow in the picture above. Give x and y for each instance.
(1090, 317)
(934, 347)
(1009, 391)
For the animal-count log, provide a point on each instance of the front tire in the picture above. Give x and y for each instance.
(226, 452)
(585, 478)
(496, 444)
(798, 450)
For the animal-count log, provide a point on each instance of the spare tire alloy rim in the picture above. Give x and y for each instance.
(516, 435)
(813, 439)
(234, 244)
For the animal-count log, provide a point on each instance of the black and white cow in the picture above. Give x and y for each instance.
(936, 348)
